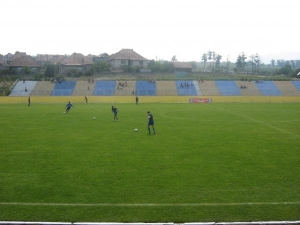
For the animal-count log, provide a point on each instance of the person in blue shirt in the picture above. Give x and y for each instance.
(68, 107)
(150, 122)
(115, 112)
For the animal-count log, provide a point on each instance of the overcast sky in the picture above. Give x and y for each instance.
(156, 29)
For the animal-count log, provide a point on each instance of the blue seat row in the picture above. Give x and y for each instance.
(105, 88)
(186, 88)
(64, 88)
(144, 88)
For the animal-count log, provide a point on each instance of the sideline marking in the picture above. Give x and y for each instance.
(147, 204)
(257, 121)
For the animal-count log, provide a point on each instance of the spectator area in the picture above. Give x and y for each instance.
(83, 88)
(208, 88)
(228, 88)
(23, 88)
(105, 88)
(296, 84)
(268, 88)
(167, 88)
(185, 88)
(287, 88)
(64, 88)
(145, 88)
(43, 88)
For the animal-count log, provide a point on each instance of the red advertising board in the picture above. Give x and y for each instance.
(200, 100)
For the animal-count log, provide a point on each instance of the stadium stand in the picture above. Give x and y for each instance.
(23, 88)
(228, 88)
(197, 88)
(43, 88)
(287, 88)
(268, 88)
(105, 88)
(144, 88)
(64, 88)
(209, 88)
(166, 88)
(125, 89)
(248, 88)
(296, 84)
(83, 88)
(186, 88)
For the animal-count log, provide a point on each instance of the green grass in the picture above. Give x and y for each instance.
(207, 162)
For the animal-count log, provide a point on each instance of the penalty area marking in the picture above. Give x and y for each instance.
(147, 204)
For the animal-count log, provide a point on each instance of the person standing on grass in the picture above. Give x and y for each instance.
(68, 107)
(29, 101)
(136, 100)
(115, 112)
(150, 122)
(86, 99)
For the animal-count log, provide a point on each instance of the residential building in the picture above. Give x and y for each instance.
(76, 61)
(182, 67)
(19, 63)
(127, 57)
(101, 57)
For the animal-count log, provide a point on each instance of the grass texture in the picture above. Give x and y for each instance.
(207, 162)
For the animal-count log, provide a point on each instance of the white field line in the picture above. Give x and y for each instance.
(257, 121)
(146, 204)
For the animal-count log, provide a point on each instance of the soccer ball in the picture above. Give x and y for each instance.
(135, 129)
(94, 118)
(64, 112)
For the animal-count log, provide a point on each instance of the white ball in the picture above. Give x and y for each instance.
(94, 118)
(64, 112)
(135, 129)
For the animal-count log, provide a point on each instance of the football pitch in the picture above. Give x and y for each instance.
(207, 162)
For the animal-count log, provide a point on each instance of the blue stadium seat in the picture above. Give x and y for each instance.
(228, 88)
(186, 88)
(105, 88)
(296, 84)
(64, 88)
(144, 88)
(268, 88)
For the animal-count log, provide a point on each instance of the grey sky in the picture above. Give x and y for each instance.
(155, 29)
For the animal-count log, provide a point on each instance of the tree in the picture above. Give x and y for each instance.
(218, 60)
(286, 70)
(241, 61)
(174, 58)
(204, 58)
(101, 66)
(228, 64)
(214, 58)
(50, 70)
(272, 62)
(257, 62)
(26, 70)
(160, 66)
(209, 57)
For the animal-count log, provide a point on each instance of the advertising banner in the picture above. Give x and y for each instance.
(200, 100)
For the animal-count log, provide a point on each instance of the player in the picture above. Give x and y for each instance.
(86, 99)
(150, 122)
(29, 101)
(68, 107)
(136, 100)
(115, 112)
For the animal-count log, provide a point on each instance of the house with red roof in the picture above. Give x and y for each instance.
(76, 61)
(129, 58)
(19, 63)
